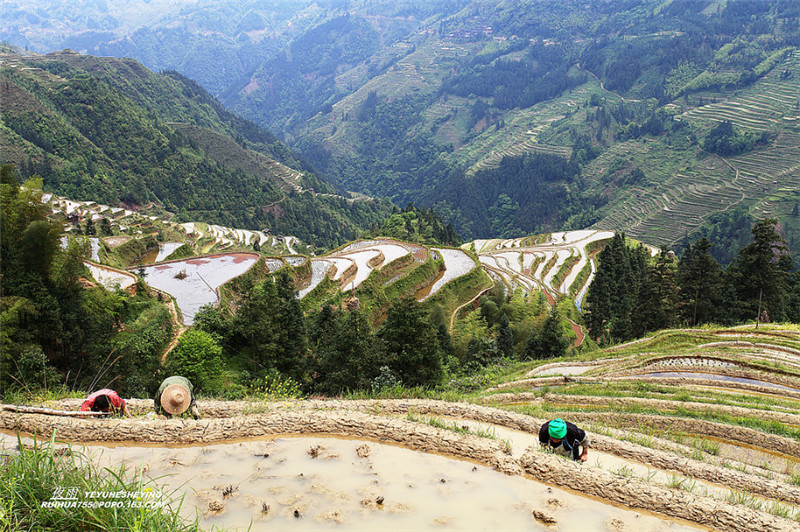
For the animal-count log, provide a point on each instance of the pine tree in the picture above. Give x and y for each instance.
(701, 284)
(657, 306)
(550, 342)
(505, 337)
(412, 347)
(349, 355)
(761, 275)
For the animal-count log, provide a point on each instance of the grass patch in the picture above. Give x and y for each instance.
(451, 425)
(745, 498)
(681, 483)
(564, 270)
(37, 397)
(41, 473)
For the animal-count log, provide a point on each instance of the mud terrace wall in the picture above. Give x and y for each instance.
(535, 383)
(377, 420)
(659, 404)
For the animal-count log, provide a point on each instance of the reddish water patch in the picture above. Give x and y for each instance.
(241, 257)
(198, 262)
(578, 332)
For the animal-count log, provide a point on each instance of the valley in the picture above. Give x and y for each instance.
(386, 242)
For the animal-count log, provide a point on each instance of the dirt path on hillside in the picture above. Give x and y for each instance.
(373, 420)
(177, 324)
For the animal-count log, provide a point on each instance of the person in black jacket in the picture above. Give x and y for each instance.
(565, 439)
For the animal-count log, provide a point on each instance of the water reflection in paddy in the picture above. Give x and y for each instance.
(716, 377)
(356, 485)
(164, 250)
(193, 282)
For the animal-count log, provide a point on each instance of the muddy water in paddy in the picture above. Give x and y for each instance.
(520, 441)
(716, 377)
(160, 253)
(339, 489)
(757, 456)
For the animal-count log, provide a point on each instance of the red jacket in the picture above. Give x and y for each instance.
(113, 398)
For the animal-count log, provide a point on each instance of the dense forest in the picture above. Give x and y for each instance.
(413, 102)
(113, 132)
(633, 294)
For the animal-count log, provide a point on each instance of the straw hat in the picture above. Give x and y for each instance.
(175, 399)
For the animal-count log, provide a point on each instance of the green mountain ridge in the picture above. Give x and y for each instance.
(423, 102)
(112, 131)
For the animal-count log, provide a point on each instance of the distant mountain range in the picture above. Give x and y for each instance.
(508, 118)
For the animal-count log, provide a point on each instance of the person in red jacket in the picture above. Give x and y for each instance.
(105, 400)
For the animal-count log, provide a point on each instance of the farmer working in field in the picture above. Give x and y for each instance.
(105, 400)
(174, 397)
(565, 439)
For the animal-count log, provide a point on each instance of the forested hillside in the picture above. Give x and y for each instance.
(422, 102)
(112, 131)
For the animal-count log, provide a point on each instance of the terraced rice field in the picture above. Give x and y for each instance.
(763, 178)
(456, 264)
(769, 103)
(110, 278)
(668, 451)
(354, 263)
(319, 268)
(532, 263)
(195, 282)
(520, 134)
(215, 237)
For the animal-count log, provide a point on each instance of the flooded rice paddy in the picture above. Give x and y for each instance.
(109, 278)
(319, 268)
(164, 250)
(771, 460)
(194, 282)
(361, 259)
(326, 483)
(456, 263)
(562, 370)
(716, 377)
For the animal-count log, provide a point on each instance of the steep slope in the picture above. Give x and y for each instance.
(110, 130)
(422, 102)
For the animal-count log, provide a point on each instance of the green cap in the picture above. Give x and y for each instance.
(557, 429)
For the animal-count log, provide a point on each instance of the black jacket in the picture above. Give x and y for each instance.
(575, 437)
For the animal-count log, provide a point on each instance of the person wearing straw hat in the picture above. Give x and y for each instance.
(106, 400)
(174, 397)
(565, 438)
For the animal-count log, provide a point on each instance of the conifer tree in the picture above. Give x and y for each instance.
(701, 284)
(349, 355)
(411, 344)
(505, 337)
(761, 274)
(657, 306)
(550, 342)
